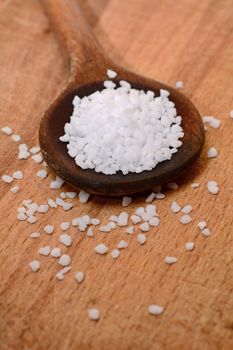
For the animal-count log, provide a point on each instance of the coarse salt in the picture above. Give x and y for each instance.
(34, 265)
(115, 253)
(187, 209)
(21, 217)
(7, 178)
(94, 314)
(212, 152)
(141, 238)
(212, 187)
(44, 251)
(179, 84)
(201, 225)
(64, 260)
(71, 195)
(185, 219)
(65, 225)
(195, 185)
(154, 309)
(34, 235)
(95, 221)
(170, 260)
(90, 232)
(231, 114)
(52, 203)
(14, 189)
(6, 130)
(135, 219)
(55, 252)
(154, 221)
(65, 239)
(18, 175)
(205, 232)
(16, 138)
(37, 158)
(160, 195)
(111, 73)
(122, 244)
(212, 121)
(49, 229)
(31, 219)
(43, 208)
(34, 149)
(83, 196)
(42, 173)
(123, 219)
(175, 208)
(101, 248)
(79, 276)
(189, 246)
(130, 230)
(67, 206)
(57, 183)
(126, 201)
(59, 276)
(144, 227)
(150, 197)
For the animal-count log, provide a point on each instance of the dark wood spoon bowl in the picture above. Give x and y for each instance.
(88, 71)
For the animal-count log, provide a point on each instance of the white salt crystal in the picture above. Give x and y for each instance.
(34, 235)
(212, 121)
(86, 218)
(67, 206)
(21, 210)
(213, 187)
(16, 138)
(231, 114)
(82, 225)
(141, 238)
(56, 252)
(34, 150)
(123, 219)
(187, 209)
(150, 198)
(95, 221)
(90, 232)
(63, 195)
(49, 229)
(71, 195)
(42, 173)
(23, 147)
(130, 230)
(44, 251)
(14, 189)
(6, 130)
(155, 309)
(112, 224)
(7, 178)
(43, 208)
(65, 239)
(57, 183)
(51, 203)
(126, 201)
(65, 225)
(135, 219)
(111, 73)
(201, 225)
(34, 265)
(195, 185)
(113, 218)
(144, 226)
(115, 253)
(79, 276)
(23, 154)
(60, 276)
(18, 175)
(175, 208)
(205, 232)
(31, 219)
(21, 217)
(94, 314)
(59, 201)
(172, 186)
(179, 84)
(154, 221)
(37, 158)
(106, 228)
(65, 269)
(185, 219)
(212, 152)
(160, 195)
(122, 244)
(83, 196)
(101, 248)
(170, 260)
(64, 260)
(189, 246)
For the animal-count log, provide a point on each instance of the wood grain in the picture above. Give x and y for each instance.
(185, 40)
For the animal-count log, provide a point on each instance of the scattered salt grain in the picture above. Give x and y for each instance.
(201, 225)
(21, 217)
(112, 224)
(83, 196)
(179, 84)
(150, 198)
(130, 230)
(37, 158)
(34, 235)
(123, 219)
(71, 195)
(135, 219)
(57, 183)
(65, 239)
(56, 252)
(212, 121)
(42, 173)
(213, 187)
(60, 201)
(79, 276)
(49, 229)
(65, 225)
(126, 201)
(95, 221)
(67, 206)
(175, 208)
(172, 186)
(160, 195)
(65, 269)
(60, 276)
(6, 130)
(189, 246)
(16, 138)
(90, 232)
(187, 209)
(34, 265)
(43, 208)
(195, 185)
(64, 260)
(14, 189)
(122, 244)
(141, 238)
(212, 152)
(231, 114)
(18, 175)
(155, 309)
(154, 221)
(115, 253)
(44, 251)
(106, 228)
(93, 314)
(26, 202)
(7, 178)
(34, 150)
(111, 73)
(31, 219)
(63, 195)
(205, 232)
(101, 248)
(145, 227)
(113, 218)
(51, 203)
(185, 219)
(170, 260)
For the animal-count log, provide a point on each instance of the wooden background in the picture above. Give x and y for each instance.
(169, 40)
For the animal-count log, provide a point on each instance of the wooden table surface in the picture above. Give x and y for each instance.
(187, 40)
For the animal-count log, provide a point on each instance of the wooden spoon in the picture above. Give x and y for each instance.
(88, 66)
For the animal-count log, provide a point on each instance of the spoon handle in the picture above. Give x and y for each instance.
(85, 53)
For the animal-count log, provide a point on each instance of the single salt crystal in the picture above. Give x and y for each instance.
(57, 183)
(95, 221)
(6, 130)
(26, 202)
(112, 224)
(109, 84)
(60, 201)
(65, 239)
(60, 276)
(71, 195)
(187, 209)
(213, 187)
(14, 189)
(212, 152)
(189, 246)
(195, 185)
(21, 210)
(34, 265)
(7, 178)
(145, 227)
(37, 158)
(106, 228)
(44, 251)
(16, 138)
(43, 208)
(51, 203)
(23, 154)
(154, 309)
(231, 114)
(34, 235)
(113, 218)
(123, 219)
(135, 219)
(65, 269)
(170, 260)
(21, 217)
(93, 314)
(160, 195)
(150, 198)
(154, 221)
(172, 186)
(63, 195)
(49, 229)
(90, 232)
(86, 218)
(141, 238)
(212, 121)
(55, 252)
(34, 149)
(32, 206)
(65, 225)
(111, 73)
(122, 244)
(185, 219)
(83, 196)
(205, 232)
(175, 208)
(42, 173)
(115, 253)
(64, 260)
(201, 225)
(23, 147)
(130, 230)
(126, 201)
(18, 175)
(31, 219)
(79, 276)
(67, 206)
(101, 248)
(179, 84)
